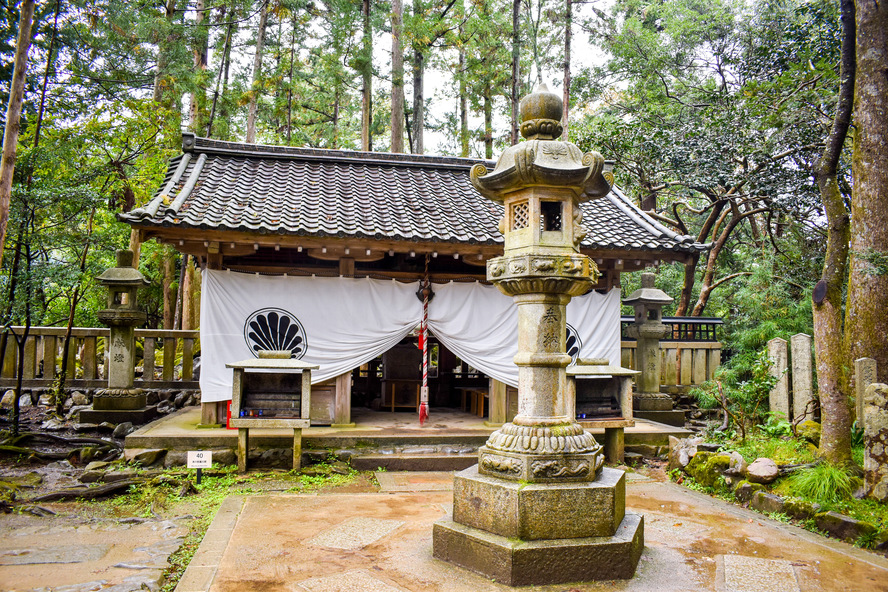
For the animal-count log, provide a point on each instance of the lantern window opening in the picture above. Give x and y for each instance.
(653, 314)
(520, 215)
(550, 216)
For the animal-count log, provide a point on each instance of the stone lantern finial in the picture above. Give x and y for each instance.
(541, 115)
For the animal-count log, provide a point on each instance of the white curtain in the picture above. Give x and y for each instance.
(480, 325)
(336, 323)
(341, 323)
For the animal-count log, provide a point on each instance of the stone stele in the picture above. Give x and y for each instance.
(538, 508)
(875, 442)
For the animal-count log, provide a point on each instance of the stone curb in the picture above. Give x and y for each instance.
(201, 571)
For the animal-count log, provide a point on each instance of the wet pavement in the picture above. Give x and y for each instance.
(383, 542)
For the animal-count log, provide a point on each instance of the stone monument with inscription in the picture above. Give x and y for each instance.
(539, 508)
(121, 402)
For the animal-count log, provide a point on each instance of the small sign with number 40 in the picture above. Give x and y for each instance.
(199, 459)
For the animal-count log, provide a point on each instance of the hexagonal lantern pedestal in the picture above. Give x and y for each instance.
(538, 508)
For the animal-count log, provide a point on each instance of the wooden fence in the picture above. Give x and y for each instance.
(683, 364)
(166, 358)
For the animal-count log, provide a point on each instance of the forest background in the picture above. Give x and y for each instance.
(722, 116)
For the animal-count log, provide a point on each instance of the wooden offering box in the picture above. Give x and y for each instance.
(270, 392)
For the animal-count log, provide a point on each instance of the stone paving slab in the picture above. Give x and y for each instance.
(350, 581)
(355, 533)
(698, 543)
(751, 574)
(414, 481)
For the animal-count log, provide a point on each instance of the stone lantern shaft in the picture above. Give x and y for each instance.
(541, 183)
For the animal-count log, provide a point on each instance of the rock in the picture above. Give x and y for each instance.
(25, 401)
(707, 468)
(8, 399)
(146, 458)
(738, 464)
(107, 427)
(46, 400)
(225, 457)
(745, 490)
(311, 457)
(709, 446)
(27, 481)
(123, 430)
(340, 468)
(178, 458)
(762, 470)
(419, 450)
(92, 476)
(843, 527)
(810, 431)
(75, 411)
(681, 451)
(800, 509)
(79, 398)
(151, 398)
(180, 399)
(86, 454)
(345, 454)
(85, 427)
(767, 503)
(97, 465)
(632, 458)
(275, 457)
(645, 450)
(61, 465)
(69, 402)
(313, 471)
(52, 425)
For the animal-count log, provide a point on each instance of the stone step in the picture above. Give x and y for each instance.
(414, 462)
(672, 417)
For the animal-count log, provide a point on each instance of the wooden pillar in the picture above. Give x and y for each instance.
(243, 448)
(497, 415)
(297, 449)
(342, 402)
(209, 414)
(614, 445)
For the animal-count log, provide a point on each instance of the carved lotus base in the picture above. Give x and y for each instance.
(571, 274)
(539, 468)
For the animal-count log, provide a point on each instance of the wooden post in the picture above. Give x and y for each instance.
(297, 449)
(89, 358)
(342, 402)
(497, 415)
(148, 359)
(614, 445)
(243, 449)
(187, 359)
(28, 372)
(169, 358)
(49, 357)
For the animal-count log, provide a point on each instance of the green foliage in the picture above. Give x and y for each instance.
(824, 483)
(776, 426)
(781, 450)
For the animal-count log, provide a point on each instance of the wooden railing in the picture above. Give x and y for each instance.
(683, 364)
(87, 363)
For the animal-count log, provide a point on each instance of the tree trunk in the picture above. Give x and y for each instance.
(463, 106)
(14, 116)
(488, 122)
(257, 74)
(191, 301)
(867, 307)
(397, 77)
(197, 112)
(687, 286)
(169, 295)
(418, 102)
(568, 22)
(367, 79)
(832, 380)
(163, 50)
(516, 69)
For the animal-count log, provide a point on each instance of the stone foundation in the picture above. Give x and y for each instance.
(522, 533)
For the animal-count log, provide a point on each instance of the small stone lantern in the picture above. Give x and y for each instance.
(539, 508)
(121, 401)
(648, 329)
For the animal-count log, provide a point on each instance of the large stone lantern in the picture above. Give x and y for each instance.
(539, 508)
(648, 329)
(121, 401)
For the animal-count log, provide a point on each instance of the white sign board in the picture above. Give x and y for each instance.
(199, 459)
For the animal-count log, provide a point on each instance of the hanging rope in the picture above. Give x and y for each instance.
(424, 343)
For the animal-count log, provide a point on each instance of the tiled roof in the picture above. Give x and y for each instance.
(333, 193)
